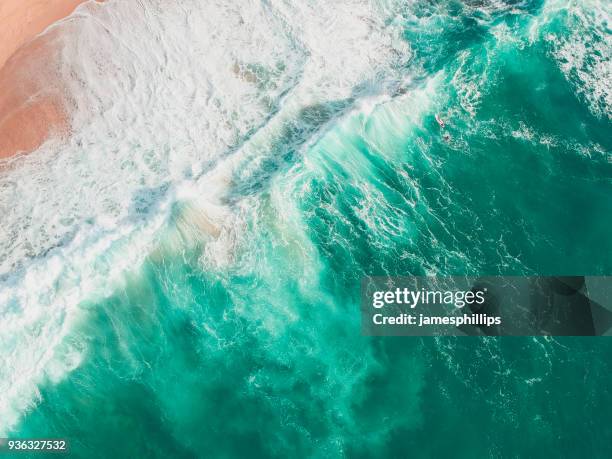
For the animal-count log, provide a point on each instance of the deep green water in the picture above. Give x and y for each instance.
(263, 357)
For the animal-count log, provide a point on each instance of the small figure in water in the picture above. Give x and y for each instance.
(440, 121)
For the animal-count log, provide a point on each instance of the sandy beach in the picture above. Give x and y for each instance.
(31, 100)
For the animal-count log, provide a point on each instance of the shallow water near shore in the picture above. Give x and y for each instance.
(194, 289)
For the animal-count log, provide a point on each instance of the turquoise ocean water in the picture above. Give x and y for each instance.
(259, 354)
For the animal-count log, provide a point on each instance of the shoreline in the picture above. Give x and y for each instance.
(22, 20)
(32, 101)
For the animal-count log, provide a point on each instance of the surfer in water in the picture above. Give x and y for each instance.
(442, 125)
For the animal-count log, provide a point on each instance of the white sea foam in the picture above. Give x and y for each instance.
(583, 48)
(171, 101)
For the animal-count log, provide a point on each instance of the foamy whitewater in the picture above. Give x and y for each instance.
(252, 160)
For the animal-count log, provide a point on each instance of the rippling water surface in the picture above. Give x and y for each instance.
(180, 278)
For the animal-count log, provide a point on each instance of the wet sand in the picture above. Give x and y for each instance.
(22, 20)
(32, 95)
